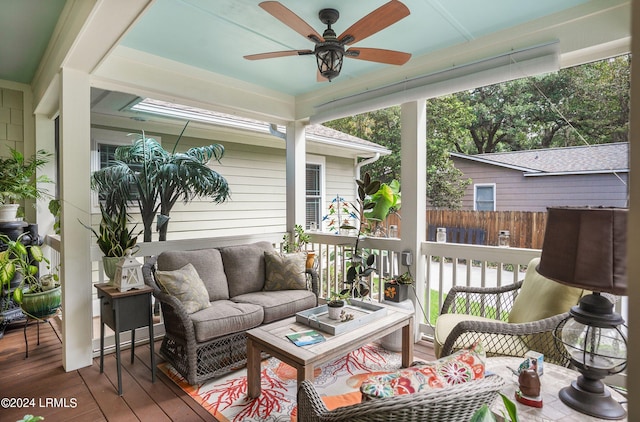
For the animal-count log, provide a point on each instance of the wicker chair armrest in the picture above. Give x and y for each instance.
(536, 335)
(456, 403)
(521, 329)
(174, 314)
(463, 295)
(314, 280)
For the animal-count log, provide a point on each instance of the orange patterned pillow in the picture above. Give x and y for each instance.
(462, 366)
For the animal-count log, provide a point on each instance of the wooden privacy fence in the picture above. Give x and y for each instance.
(526, 228)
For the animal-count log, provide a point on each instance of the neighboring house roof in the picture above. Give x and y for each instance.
(601, 158)
(316, 133)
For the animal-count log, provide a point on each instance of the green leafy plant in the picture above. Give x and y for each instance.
(338, 298)
(113, 236)
(298, 242)
(484, 414)
(361, 263)
(54, 209)
(18, 178)
(31, 418)
(16, 258)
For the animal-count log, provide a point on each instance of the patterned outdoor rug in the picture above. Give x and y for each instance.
(338, 382)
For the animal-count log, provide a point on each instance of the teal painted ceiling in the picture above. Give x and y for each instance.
(215, 35)
(25, 29)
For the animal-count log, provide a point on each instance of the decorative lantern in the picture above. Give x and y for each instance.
(128, 274)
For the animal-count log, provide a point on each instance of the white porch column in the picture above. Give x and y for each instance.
(75, 195)
(296, 174)
(45, 139)
(633, 231)
(414, 191)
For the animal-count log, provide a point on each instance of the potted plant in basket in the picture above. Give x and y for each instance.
(38, 296)
(396, 289)
(18, 181)
(297, 243)
(114, 238)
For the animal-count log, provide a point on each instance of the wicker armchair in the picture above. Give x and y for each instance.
(198, 361)
(472, 314)
(457, 403)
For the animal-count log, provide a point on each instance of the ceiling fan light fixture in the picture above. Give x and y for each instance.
(329, 59)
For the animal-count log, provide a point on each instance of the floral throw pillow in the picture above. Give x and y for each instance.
(460, 367)
(285, 271)
(185, 285)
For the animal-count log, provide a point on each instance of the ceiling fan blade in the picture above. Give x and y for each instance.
(273, 54)
(378, 55)
(382, 17)
(293, 21)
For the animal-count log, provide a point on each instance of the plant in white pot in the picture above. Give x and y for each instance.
(114, 238)
(19, 181)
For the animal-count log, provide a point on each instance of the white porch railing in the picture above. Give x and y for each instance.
(486, 266)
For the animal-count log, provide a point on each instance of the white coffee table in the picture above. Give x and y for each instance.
(271, 339)
(553, 379)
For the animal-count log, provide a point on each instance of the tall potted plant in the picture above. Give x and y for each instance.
(114, 238)
(18, 181)
(160, 178)
(361, 264)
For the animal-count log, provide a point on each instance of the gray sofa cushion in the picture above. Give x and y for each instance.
(244, 266)
(208, 264)
(279, 304)
(225, 317)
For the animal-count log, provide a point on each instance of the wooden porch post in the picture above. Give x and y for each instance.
(296, 173)
(75, 196)
(414, 181)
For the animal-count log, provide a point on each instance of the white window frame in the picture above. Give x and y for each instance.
(475, 194)
(106, 137)
(318, 160)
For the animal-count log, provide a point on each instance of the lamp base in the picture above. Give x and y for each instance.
(598, 404)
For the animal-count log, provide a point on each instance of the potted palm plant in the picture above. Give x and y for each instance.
(18, 181)
(146, 174)
(38, 296)
(114, 238)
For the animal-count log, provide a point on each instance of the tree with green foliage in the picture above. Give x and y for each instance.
(587, 104)
(159, 179)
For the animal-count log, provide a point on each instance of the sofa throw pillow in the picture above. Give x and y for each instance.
(285, 271)
(463, 366)
(186, 286)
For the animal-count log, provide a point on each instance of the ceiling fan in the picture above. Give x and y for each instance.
(329, 48)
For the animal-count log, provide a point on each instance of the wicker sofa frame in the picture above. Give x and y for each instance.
(199, 361)
(498, 337)
(456, 403)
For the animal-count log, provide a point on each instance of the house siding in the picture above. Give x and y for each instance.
(257, 181)
(515, 192)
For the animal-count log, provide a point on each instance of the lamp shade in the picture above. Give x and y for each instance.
(586, 248)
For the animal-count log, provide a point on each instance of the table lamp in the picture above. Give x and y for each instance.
(587, 248)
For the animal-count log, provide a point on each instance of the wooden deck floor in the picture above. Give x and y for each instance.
(43, 387)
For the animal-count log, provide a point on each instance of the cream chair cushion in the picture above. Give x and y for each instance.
(541, 298)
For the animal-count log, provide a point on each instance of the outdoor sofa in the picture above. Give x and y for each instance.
(208, 306)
